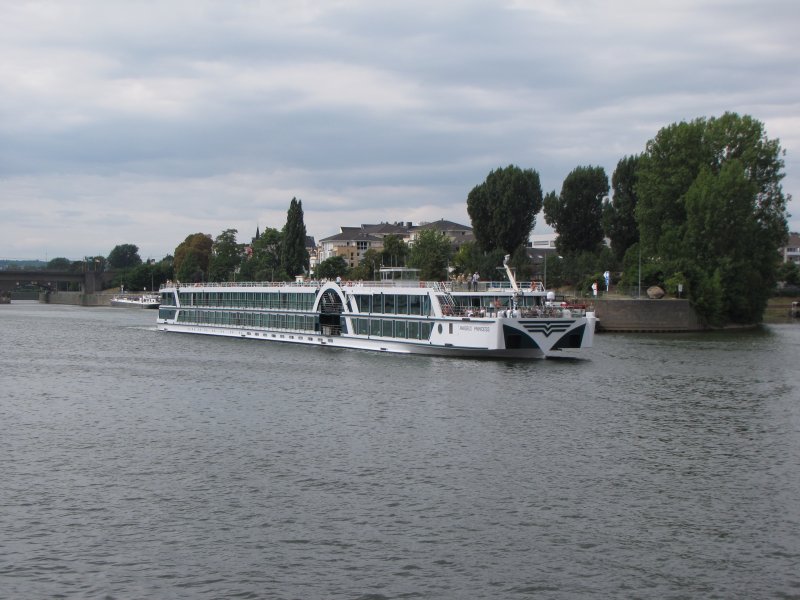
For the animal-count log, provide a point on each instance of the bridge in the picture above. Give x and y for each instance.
(91, 281)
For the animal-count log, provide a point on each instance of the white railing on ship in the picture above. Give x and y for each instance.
(439, 286)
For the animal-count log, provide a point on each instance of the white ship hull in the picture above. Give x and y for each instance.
(404, 320)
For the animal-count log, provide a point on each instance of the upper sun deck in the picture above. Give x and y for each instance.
(311, 285)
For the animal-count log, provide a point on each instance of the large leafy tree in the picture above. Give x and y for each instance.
(576, 213)
(430, 254)
(264, 262)
(470, 259)
(331, 268)
(149, 275)
(192, 257)
(395, 251)
(226, 255)
(124, 256)
(369, 266)
(712, 211)
(294, 256)
(619, 214)
(503, 208)
(59, 264)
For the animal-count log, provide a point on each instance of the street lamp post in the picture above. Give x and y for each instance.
(639, 296)
(545, 269)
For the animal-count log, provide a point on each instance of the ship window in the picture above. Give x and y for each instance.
(400, 329)
(375, 326)
(377, 303)
(363, 326)
(389, 303)
(364, 303)
(414, 306)
(402, 305)
(413, 330)
(425, 330)
(387, 328)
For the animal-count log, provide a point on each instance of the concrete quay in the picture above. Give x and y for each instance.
(76, 298)
(646, 315)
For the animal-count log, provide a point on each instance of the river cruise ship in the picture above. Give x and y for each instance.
(392, 315)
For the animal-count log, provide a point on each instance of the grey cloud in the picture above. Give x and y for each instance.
(206, 115)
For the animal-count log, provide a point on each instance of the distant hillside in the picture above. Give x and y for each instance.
(6, 265)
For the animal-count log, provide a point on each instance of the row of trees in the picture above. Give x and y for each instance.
(273, 254)
(701, 207)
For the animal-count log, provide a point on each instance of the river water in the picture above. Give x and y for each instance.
(144, 464)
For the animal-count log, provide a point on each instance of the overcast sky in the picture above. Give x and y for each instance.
(142, 122)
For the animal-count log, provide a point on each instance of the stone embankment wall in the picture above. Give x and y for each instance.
(76, 298)
(646, 315)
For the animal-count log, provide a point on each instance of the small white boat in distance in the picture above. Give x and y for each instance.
(136, 301)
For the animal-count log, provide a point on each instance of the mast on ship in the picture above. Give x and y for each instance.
(513, 281)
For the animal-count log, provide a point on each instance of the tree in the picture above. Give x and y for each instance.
(124, 256)
(59, 264)
(577, 213)
(264, 264)
(711, 207)
(789, 273)
(369, 267)
(294, 256)
(395, 251)
(503, 208)
(192, 257)
(331, 268)
(191, 269)
(431, 253)
(225, 256)
(470, 259)
(619, 214)
(149, 275)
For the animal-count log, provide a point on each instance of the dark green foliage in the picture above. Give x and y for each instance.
(264, 261)
(331, 268)
(226, 256)
(192, 257)
(583, 268)
(395, 251)
(711, 207)
(59, 264)
(431, 253)
(636, 265)
(369, 267)
(191, 270)
(470, 258)
(149, 276)
(619, 214)
(789, 273)
(124, 256)
(503, 208)
(576, 213)
(294, 256)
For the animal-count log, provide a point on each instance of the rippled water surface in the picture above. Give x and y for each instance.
(138, 463)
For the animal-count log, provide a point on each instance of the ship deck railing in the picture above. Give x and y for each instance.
(525, 312)
(443, 286)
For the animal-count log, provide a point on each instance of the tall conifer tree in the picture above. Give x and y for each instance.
(294, 256)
